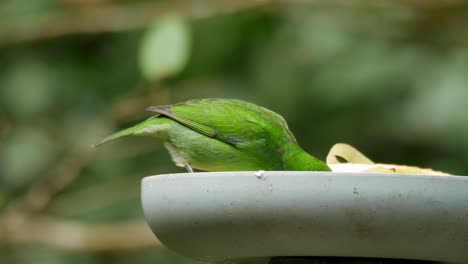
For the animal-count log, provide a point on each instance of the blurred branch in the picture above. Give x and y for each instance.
(66, 171)
(91, 17)
(340, 260)
(39, 195)
(5, 125)
(127, 107)
(23, 222)
(20, 229)
(87, 17)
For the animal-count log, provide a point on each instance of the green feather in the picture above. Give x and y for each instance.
(224, 134)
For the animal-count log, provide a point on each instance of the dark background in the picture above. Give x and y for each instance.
(390, 78)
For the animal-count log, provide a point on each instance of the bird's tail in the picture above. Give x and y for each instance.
(149, 127)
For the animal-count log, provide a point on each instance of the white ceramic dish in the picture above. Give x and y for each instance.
(252, 214)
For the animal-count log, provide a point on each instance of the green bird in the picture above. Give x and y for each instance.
(224, 135)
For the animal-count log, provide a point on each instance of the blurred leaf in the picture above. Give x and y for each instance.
(25, 155)
(165, 48)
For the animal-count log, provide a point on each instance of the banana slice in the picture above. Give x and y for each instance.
(345, 158)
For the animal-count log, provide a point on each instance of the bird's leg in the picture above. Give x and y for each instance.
(189, 168)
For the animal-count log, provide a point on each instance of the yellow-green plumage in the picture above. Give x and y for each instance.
(224, 135)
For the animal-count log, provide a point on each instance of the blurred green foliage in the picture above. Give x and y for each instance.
(165, 48)
(390, 79)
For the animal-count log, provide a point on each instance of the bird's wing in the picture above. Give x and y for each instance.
(184, 117)
(231, 121)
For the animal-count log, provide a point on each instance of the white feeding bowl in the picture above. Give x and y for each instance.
(285, 213)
